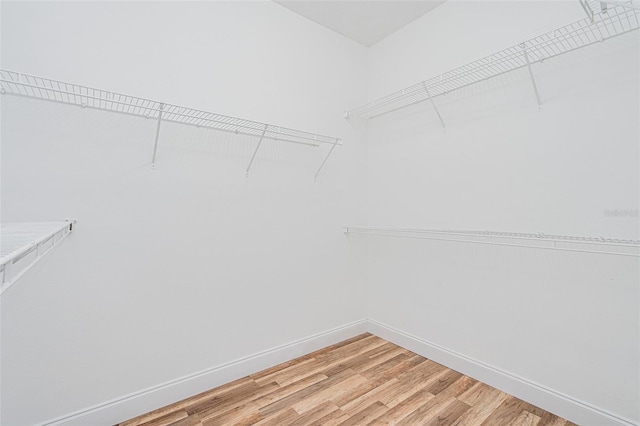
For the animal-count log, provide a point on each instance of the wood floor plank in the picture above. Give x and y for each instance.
(295, 371)
(243, 401)
(356, 393)
(449, 414)
(363, 380)
(326, 361)
(283, 417)
(409, 388)
(458, 387)
(386, 365)
(167, 418)
(427, 411)
(525, 418)
(351, 350)
(342, 344)
(332, 419)
(192, 420)
(219, 399)
(379, 380)
(443, 382)
(289, 400)
(422, 373)
(401, 410)
(558, 421)
(375, 360)
(548, 419)
(368, 357)
(365, 415)
(232, 416)
(505, 413)
(312, 416)
(481, 407)
(337, 390)
(400, 368)
(289, 389)
(370, 397)
(284, 365)
(246, 421)
(186, 402)
(477, 393)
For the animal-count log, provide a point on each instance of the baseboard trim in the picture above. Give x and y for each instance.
(140, 402)
(548, 399)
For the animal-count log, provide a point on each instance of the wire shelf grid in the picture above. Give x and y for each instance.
(601, 245)
(613, 22)
(23, 244)
(20, 84)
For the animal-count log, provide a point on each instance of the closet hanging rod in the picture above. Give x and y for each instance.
(548, 241)
(27, 85)
(615, 21)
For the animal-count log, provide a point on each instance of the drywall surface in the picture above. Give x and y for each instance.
(191, 265)
(567, 321)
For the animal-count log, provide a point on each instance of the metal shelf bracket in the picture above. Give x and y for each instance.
(253, 157)
(155, 146)
(433, 104)
(533, 80)
(326, 158)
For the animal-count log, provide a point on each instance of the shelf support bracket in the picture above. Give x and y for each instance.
(335, 143)
(253, 157)
(533, 80)
(155, 146)
(433, 104)
(587, 9)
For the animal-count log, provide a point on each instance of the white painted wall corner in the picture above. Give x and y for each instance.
(548, 399)
(140, 402)
(145, 400)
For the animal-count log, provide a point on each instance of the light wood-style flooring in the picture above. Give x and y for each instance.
(361, 381)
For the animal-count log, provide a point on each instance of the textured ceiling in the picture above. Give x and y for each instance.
(365, 21)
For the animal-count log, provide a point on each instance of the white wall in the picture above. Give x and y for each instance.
(566, 321)
(188, 266)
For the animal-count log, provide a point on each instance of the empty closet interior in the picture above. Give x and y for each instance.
(192, 192)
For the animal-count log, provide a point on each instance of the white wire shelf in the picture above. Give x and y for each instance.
(597, 245)
(614, 21)
(22, 244)
(31, 86)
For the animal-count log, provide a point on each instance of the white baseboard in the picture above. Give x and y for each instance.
(143, 401)
(550, 400)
